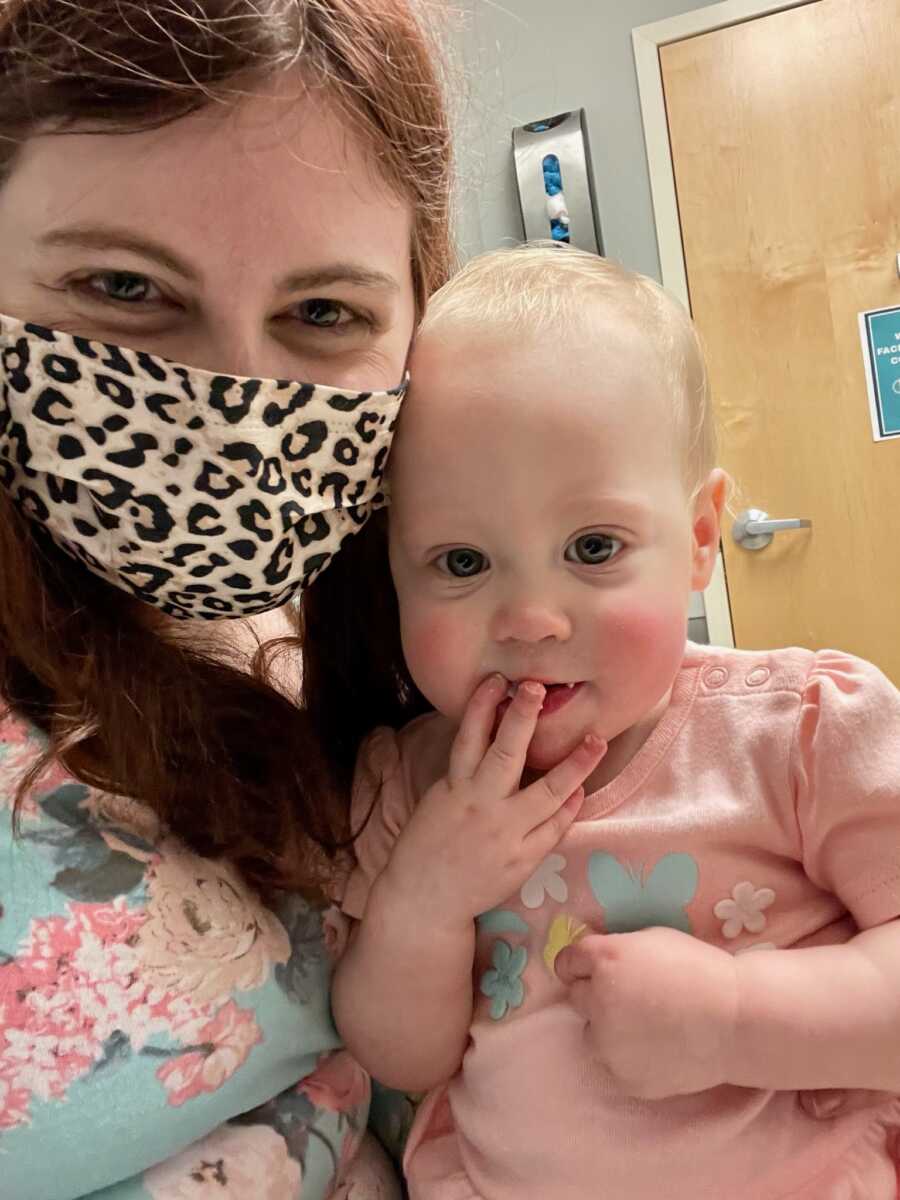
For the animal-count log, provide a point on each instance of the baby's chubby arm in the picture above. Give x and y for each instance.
(402, 994)
(820, 1017)
(667, 1014)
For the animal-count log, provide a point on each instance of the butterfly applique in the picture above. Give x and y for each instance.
(632, 900)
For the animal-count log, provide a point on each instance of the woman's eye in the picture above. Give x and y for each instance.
(325, 314)
(463, 563)
(124, 287)
(593, 549)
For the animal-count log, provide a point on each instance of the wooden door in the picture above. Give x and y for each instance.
(785, 135)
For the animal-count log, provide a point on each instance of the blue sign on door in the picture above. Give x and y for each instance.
(880, 333)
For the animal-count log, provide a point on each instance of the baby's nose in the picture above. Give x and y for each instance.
(531, 622)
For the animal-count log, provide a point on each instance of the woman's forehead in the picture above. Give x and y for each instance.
(254, 182)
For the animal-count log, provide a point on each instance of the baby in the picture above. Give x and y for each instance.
(671, 871)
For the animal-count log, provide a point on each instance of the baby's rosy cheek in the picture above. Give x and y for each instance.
(438, 652)
(650, 632)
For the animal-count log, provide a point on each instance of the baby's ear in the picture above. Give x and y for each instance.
(707, 518)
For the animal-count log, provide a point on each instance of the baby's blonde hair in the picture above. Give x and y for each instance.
(542, 287)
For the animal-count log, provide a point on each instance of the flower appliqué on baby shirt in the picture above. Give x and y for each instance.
(502, 983)
(744, 909)
(547, 880)
(565, 931)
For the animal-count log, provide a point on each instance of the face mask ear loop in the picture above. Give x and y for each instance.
(409, 350)
(403, 389)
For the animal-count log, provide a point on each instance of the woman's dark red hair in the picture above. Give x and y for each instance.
(231, 765)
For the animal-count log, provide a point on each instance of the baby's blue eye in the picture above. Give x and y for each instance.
(593, 549)
(464, 562)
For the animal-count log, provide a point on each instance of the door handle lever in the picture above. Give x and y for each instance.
(753, 529)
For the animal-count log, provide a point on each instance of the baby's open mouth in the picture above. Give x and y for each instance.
(557, 695)
(511, 690)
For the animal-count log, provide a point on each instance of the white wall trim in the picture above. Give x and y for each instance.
(714, 16)
(646, 40)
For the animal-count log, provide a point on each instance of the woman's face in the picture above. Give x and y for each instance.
(255, 239)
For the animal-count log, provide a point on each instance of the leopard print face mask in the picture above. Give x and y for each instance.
(205, 495)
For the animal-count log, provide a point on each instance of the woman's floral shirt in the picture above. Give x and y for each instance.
(163, 1035)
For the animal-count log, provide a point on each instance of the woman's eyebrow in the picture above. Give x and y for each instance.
(110, 237)
(298, 281)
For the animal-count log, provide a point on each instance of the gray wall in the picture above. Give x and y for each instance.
(525, 59)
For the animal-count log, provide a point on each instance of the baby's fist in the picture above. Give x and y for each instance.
(660, 1008)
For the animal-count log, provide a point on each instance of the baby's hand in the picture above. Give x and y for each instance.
(661, 1008)
(475, 837)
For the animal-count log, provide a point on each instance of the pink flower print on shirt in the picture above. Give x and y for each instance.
(21, 745)
(206, 933)
(225, 1043)
(109, 924)
(63, 997)
(234, 1163)
(19, 749)
(74, 996)
(338, 1084)
(14, 1101)
(744, 909)
(547, 880)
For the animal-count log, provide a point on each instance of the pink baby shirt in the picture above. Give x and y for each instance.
(762, 813)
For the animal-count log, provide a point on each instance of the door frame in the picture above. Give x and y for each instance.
(646, 41)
